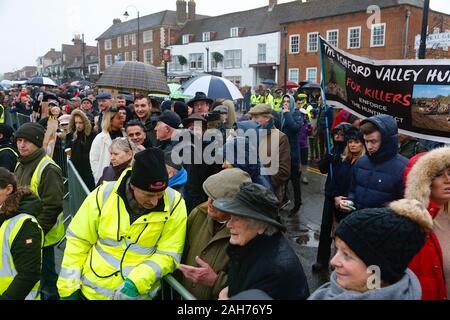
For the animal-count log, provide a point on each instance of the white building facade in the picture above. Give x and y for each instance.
(246, 61)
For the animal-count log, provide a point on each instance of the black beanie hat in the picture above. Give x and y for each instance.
(387, 237)
(33, 132)
(149, 171)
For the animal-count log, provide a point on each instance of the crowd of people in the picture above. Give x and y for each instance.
(159, 205)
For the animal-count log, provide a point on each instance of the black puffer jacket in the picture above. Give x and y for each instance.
(268, 264)
(26, 247)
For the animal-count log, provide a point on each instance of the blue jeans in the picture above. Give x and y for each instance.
(49, 277)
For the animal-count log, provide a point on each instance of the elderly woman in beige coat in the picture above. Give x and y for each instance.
(205, 260)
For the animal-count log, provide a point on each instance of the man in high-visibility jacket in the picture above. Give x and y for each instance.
(257, 97)
(38, 171)
(2, 113)
(8, 151)
(268, 98)
(302, 99)
(278, 100)
(126, 235)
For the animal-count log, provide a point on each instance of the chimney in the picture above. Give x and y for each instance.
(77, 40)
(191, 10)
(116, 21)
(272, 3)
(181, 11)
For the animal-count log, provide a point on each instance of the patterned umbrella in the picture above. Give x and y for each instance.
(133, 75)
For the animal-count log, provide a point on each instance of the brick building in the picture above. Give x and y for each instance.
(72, 57)
(156, 31)
(388, 31)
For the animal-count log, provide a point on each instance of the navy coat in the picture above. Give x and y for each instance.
(378, 179)
(291, 123)
(268, 264)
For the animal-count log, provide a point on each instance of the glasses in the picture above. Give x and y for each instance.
(127, 140)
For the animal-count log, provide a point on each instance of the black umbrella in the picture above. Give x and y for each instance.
(312, 86)
(41, 81)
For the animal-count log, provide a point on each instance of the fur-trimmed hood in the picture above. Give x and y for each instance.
(87, 123)
(420, 172)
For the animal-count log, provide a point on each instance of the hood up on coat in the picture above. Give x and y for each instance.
(291, 108)
(389, 137)
(420, 172)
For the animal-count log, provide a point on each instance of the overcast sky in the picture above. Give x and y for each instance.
(30, 28)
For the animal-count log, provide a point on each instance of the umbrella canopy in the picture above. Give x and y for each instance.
(291, 85)
(312, 86)
(133, 75)
(42, 81)
(214, 87)
(81, 83)
(269, 82)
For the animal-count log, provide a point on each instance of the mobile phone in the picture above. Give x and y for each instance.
(350, 207)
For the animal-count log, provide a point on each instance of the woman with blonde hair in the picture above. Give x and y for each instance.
(340, 184)
(427, 179)
(112, 128)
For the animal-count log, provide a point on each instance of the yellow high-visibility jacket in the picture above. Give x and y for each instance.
(8, 232)
(103, 249)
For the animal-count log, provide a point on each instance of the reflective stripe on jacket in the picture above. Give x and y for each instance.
(56, 233)
(103, 248)
(2, 115)
(8, 232)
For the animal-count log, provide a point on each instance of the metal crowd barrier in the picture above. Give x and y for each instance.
(171, 289)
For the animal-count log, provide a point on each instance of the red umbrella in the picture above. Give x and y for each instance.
(291, 85)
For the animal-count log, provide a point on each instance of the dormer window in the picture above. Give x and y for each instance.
(206, 36)
(234, 32)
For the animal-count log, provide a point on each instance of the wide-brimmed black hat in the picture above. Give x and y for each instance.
(252, 201)
(199, 96)
(193, 117)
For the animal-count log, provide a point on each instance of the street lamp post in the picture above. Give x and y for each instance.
(285, 59)
(207, 59)
(126, 15)
(423, 34)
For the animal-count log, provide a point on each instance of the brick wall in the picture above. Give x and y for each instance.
(155, 45)
(394, 18)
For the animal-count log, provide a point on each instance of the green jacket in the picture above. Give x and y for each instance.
(51, 189)
(201, 241)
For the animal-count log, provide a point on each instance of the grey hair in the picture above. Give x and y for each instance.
(123, 144)
(269, 231)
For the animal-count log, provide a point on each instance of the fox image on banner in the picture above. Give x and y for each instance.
(415, 92)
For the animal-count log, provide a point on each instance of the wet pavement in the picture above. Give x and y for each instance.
(302, 228)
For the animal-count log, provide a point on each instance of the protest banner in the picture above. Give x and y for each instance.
(415, 92)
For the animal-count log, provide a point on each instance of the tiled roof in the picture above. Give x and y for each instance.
(166, 17)
(267, 20)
